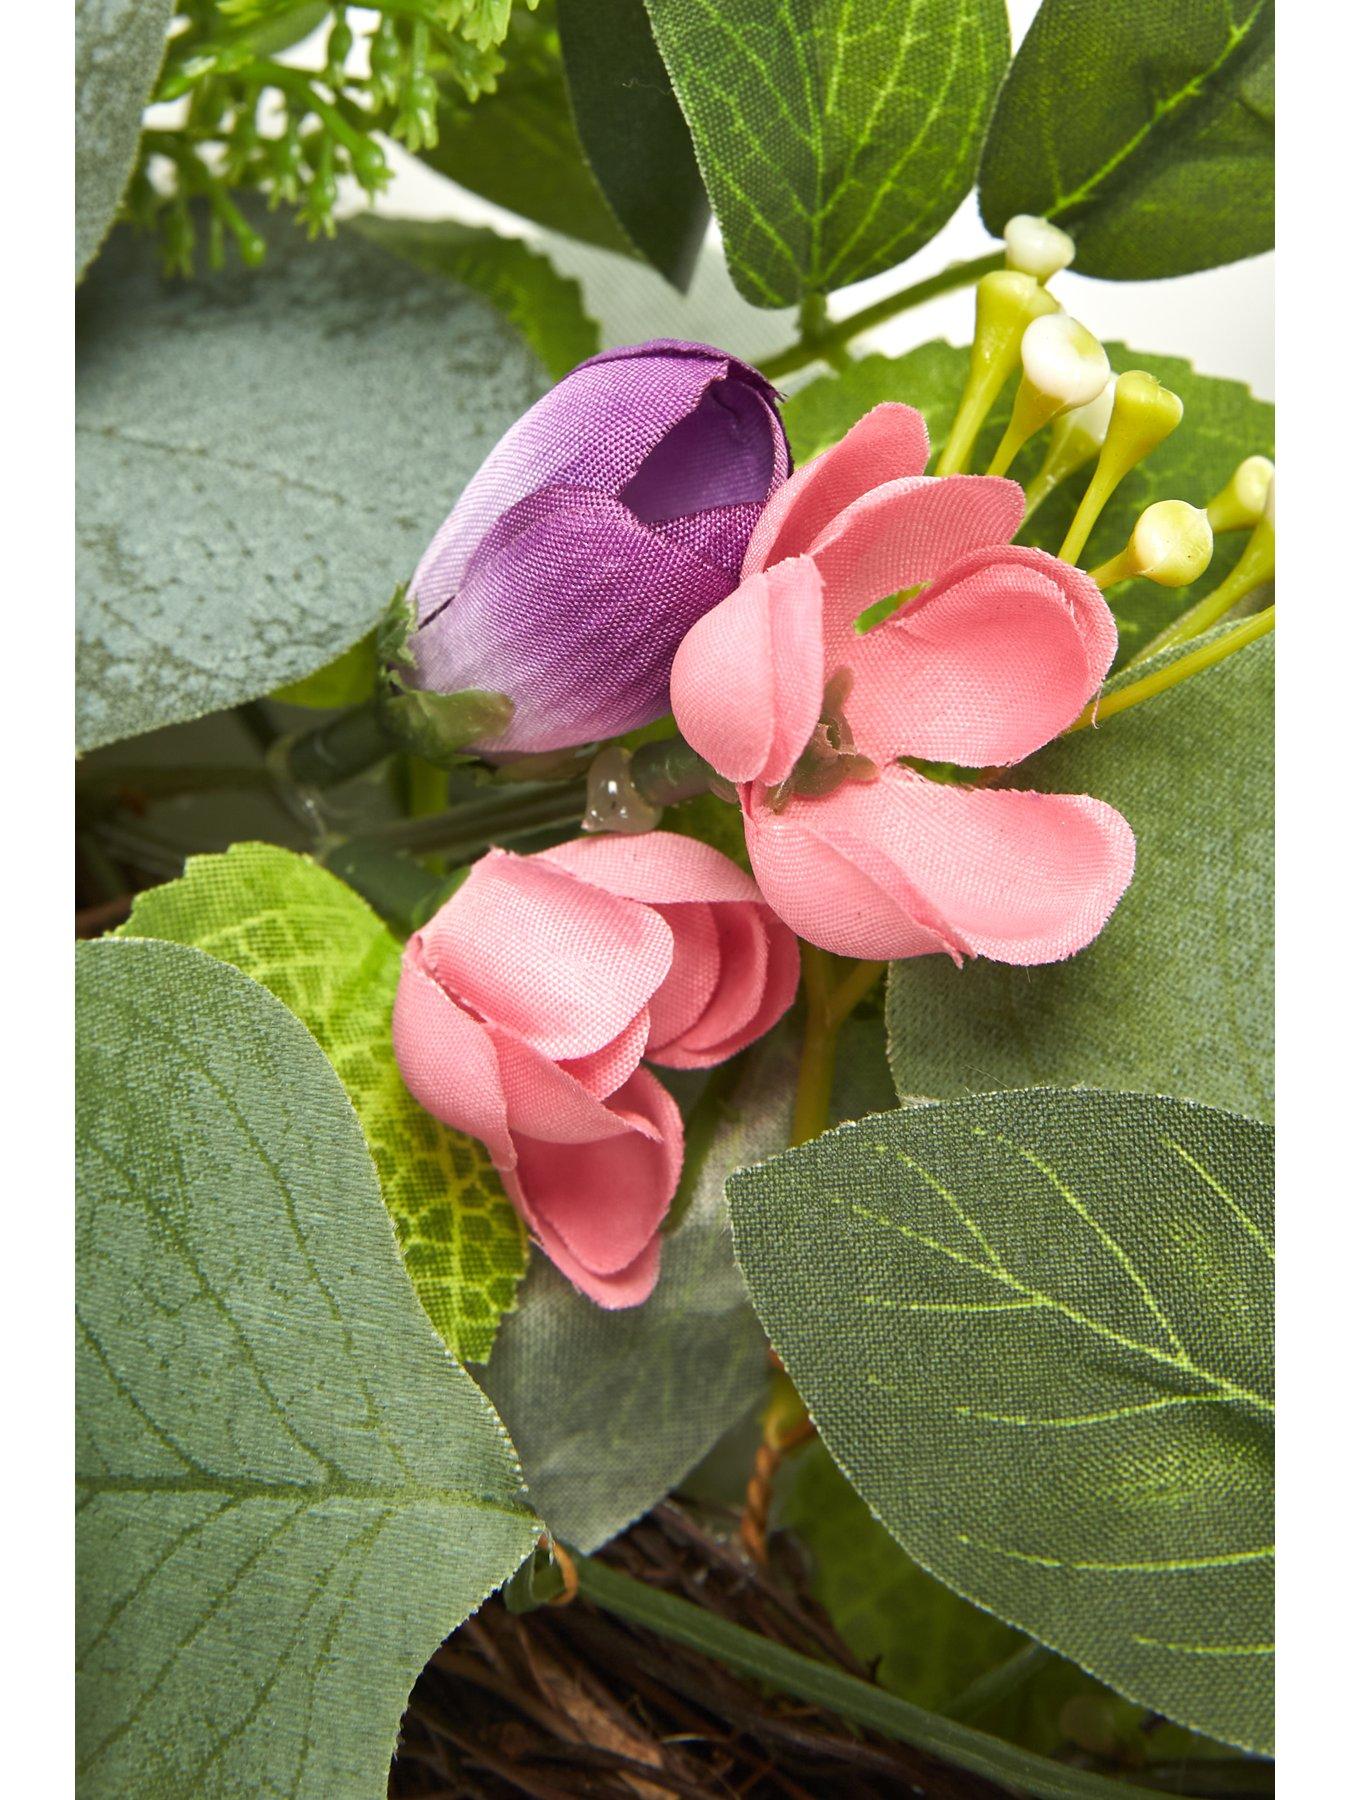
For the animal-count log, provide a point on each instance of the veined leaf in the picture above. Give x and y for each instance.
(1177, 994)
(518, 145)
(835, 139)
(316, 945)
(1223, 423)
(544, 306)
(119, 46)
(609, 1410)
(288, 1493)
(263, 456)
(1147, 132)
(1035, 1332)
(633, 131)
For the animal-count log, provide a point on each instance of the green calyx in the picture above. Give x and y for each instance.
(436, 727)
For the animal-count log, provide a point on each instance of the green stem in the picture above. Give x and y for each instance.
(401, 890)
(1195, 662)
(997, 1683)
(827, 1007)
(842, 331)
(819, 1684)
(463, 832)
(334, 751)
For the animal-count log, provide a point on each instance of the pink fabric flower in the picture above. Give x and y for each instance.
(999, 651)
(527, 1004)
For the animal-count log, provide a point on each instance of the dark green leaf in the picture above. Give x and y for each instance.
(119, 46)
(835, 139)
(1034, 1330)
(1176, 994)
(518, 145)
(633, 131)
(609, 1410)
(288, 1493)
(1223, 423)
(1147, 131)
(544, 306)
(263, 454)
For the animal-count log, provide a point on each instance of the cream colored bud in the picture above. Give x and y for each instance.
(1171, 544)
(1063, 362)
(1036, 247)
(1241, 503)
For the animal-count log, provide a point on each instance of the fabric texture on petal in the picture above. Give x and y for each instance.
(887, 443)
(446, 1058)
(659, 867)
(755, 724)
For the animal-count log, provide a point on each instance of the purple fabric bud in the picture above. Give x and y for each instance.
(603, 525)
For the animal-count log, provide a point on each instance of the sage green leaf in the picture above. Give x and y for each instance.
(1223, 423)
(263, 454)
(934, 1649)
(1034, 1330)
(1147, 132)
(288, 1492)
(633, 131)
(518, 145)
(1177, 993)
(119, 46)
(835, 140)
(316, 945)
(609, 1410)
(544, 306)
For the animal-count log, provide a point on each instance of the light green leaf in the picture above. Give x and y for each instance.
(263, 456)
(1035, 1332)
(347, 680)
(518, 145)
(609, 1410)
(1147, 132)
(288, 1493)
(119, 46)
(633, 131)
(1222, 424)
(835, 139)
(544, 306)
(317, 946)
(1176, 994)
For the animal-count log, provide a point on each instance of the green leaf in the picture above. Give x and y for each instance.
(1223, 423)
(835, 139)
(263, 454)
(346, 681)
(304, 935)
(119, 46)
(288, 1493)
(544, 306)
(609, 1410)
(1176, 994)
(934, 1649)
(518, 146)
(633, 131)
(1034, 1330)
(1147, 132)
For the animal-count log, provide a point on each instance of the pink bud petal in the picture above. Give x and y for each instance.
(659, 867)
(446, 1058)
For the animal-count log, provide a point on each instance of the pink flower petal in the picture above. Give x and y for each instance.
(889, 442)
(630, 1286)
(658, 867)
(745, 686)
(604, 1202)
(546, 1100)
(446, 1058)
(605, 1070)
(985, 666)
(903, 866)
(561, 964)
(683, 996)
(759, 970)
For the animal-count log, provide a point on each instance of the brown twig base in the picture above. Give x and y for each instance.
(567, 1701)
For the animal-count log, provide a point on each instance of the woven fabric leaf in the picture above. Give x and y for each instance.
(263, 455)
(119, 46)
(288, 1493)
(1177, 994)
(1223, 423)
(1147, 131)
(317, 946)
(609, 1410)
(835, 139)
(1035, 1331)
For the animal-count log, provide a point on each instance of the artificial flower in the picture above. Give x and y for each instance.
(993, 650)
(527, 1004)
